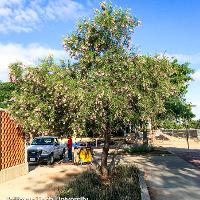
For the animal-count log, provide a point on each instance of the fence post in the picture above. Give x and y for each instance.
(198, 134)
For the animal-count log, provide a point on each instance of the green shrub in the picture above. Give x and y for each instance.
(138, 149)
(85, 184)
(123, 184)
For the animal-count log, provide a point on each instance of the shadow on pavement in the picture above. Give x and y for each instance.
(168, 177)
(32, 166)
(190, 155)
(48, 179)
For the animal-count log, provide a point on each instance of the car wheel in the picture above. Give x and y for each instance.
(62, 155)
(51, 160)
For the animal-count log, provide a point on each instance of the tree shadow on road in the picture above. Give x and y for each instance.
(189, 155)
(168, 177)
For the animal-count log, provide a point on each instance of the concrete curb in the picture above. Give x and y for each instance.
(143, 187)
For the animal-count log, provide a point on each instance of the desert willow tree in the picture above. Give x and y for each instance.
(47, 100)
(119, 86)
(101, 47)
(107, 88)
(15, 71)
(6, 88)
(176, 106)
(153, 82)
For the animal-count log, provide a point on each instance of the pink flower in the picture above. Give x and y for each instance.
(103, 5)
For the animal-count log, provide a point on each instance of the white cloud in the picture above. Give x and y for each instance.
(191, 58)
(10, 2)
(25, 15)
(196, 75)
(196, 109)
(29, 54)
(5, 12)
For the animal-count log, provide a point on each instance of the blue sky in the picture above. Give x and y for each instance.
(30, 30)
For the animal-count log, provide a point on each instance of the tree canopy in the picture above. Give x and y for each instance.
(6, 90)
(109, 86)
(47, 99)
(177, 110)
(15, 71)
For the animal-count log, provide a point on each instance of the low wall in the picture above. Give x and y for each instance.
(13, 162)
(13, 172)
(193, 133)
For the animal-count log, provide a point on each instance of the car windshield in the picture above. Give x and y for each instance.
(43, 141)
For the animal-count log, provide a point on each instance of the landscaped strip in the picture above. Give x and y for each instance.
(123, 184)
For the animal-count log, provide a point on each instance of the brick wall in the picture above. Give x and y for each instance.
(12, 143)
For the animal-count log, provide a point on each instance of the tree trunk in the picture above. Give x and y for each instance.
(145, 138)
(104, 156)
(145, 133)
(153, 135)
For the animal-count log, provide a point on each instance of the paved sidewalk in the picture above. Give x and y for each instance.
(41, 182)
(168, 177)
(192, 155)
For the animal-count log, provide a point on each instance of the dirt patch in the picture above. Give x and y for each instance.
(161, 137)
(176, 142)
